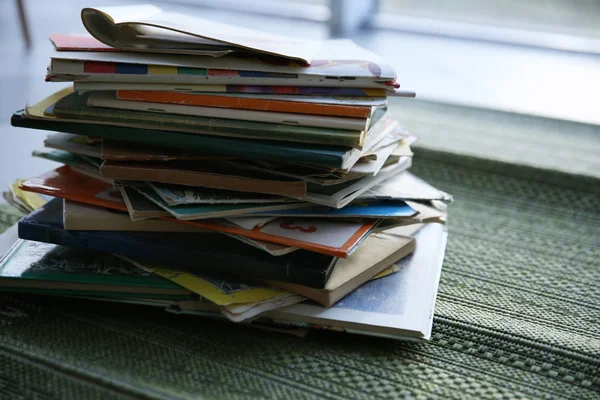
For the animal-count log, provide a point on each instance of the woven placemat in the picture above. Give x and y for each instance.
(518, 316)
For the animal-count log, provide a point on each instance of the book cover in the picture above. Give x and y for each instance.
(339, 63)
(85, 217)
(220, 254)
(378, 252)
(206, 211)
(155, 30)
(405, 186)
(64, 183)
(253, 90)
(245, 103)
(35, 266)
(109, 100)
(117, 150)
(358, 209)
(212, 174)
(77, 144)
(175, 195)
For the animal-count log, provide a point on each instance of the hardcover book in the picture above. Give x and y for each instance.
(210, 253)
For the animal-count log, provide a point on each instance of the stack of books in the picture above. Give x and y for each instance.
(229, 173)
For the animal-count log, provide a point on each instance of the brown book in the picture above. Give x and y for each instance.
(207, 174)
(376, 253)
(117, 150)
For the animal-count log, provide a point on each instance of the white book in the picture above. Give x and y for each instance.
(146, 27)
(339, 63)
(398, 306)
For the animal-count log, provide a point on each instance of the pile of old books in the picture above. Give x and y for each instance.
(228, 173)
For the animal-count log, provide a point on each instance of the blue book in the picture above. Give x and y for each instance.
(208, 253)
(376, 209)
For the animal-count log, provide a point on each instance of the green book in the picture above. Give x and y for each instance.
(337, 157)
(50, 269)
(74, 106)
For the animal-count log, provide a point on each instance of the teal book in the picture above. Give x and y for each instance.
(205, 211)
(337, 157)
(75, 106)
(50, 269)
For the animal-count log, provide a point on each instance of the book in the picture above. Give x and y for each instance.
(148, 28)
(31, 266)
(109, 100)
(312, 105)
(334, 238)
(378, 252)
(175, 195)
(82, 164)
(245, 103)
(117, 150)
(139, 207)
(398, 306)
(405, 186)
(65, 183)
(332, 58)
(76, 144)
(341, 69)
(254, 90)
(85, 217)
(341, 195)
(377, 209)
(211, 174)
(188, 212)
(220, 254)
(317, 155)
(26, 201)
(237, 300)
(370, 164)
(90, 43)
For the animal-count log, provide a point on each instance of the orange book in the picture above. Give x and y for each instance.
(333, 238)
(245, 103)
(67, 184)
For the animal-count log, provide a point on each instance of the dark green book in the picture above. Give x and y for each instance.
(50, 269)
(74, 106)
(337, 157)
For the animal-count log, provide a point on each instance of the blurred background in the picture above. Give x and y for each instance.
(517, 81)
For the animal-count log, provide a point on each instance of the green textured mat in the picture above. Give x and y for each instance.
(518, 316)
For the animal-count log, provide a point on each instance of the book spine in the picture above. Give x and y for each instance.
(244, 103)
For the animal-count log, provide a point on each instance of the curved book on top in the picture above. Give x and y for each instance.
(148, 28)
